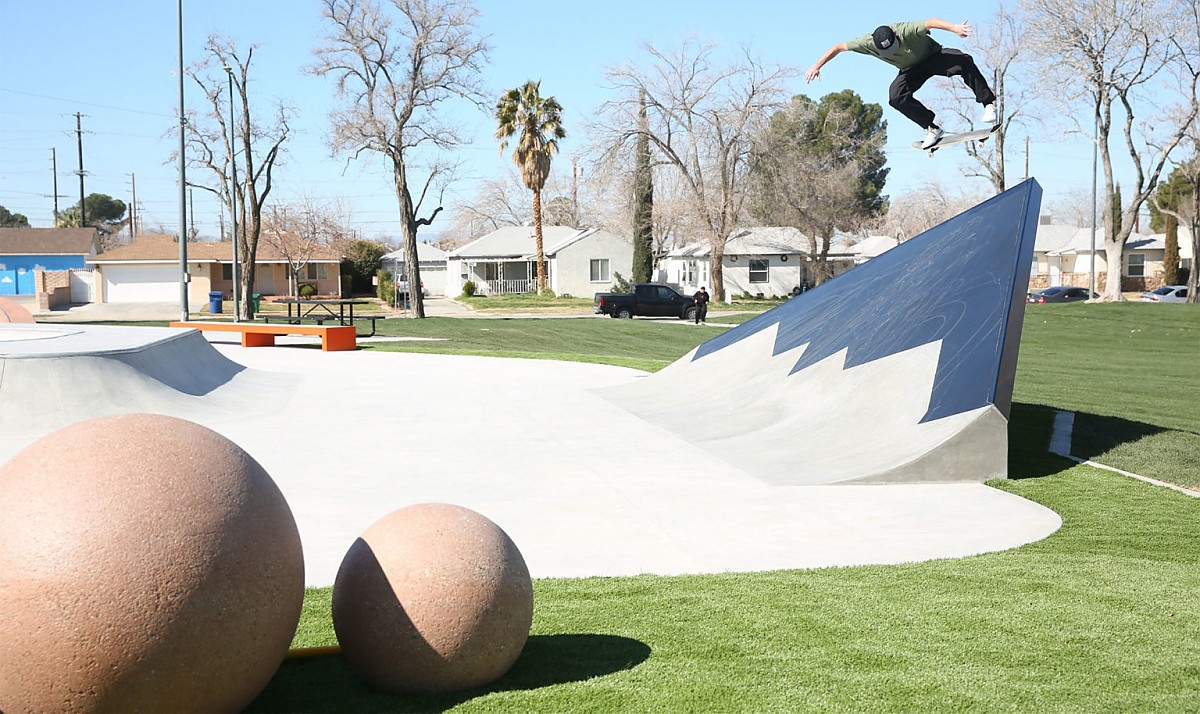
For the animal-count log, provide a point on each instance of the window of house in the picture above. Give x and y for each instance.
(226, 271)
(689, 273)
(759, 271)
(1137, 265)
(315, 271)
(599, 270)
(1034, 270)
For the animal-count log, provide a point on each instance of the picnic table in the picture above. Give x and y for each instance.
(322, 310)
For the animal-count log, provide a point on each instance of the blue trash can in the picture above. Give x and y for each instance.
(214, 302)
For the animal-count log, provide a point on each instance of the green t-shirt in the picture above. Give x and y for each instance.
(915, 45)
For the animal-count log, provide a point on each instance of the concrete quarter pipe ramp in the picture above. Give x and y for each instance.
(899, 371)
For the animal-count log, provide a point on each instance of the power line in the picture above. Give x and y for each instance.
(86, 104)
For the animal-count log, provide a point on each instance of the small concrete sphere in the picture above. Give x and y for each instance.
(146, 564)
(432, 598)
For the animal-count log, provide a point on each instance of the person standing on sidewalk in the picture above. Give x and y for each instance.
(908, 47)
(701, 298)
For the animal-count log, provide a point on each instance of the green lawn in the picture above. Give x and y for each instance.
(642, 344)
(1104, 615)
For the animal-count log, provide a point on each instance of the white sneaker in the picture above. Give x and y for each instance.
(933, 135)
(989, 114)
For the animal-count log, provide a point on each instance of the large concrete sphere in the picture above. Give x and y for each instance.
(432, 598)
(146, 564)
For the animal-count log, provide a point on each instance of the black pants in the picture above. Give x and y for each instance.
(701, 312)
(947, 63)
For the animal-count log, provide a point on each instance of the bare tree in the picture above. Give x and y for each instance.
(1122, 60)
(700, 117)
(1073, 208)
(394, 76)
(257, 147)
(1001, 48)
(503, 202)
(914, 212)
(298, 231)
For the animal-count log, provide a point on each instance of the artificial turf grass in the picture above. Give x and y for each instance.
(1129, 372)
(1101, 615)
(641, 344)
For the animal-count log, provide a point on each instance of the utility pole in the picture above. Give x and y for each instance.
(54, 178)
(575, 189)
(133, 208)
(191, 234)
(237, 272)
(54, 173)
(183, 266)
(79, 141)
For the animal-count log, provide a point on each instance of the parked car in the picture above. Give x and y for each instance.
(1167, 293)
(1060, 293)
(646, 300)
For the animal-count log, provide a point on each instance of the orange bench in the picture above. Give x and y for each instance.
(334, 338)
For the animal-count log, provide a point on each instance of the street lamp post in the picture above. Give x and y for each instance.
(1092, 261)
(237, 274)
(184, 277)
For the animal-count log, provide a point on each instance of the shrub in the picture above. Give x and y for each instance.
(362, 261)
(469, 288)
(386, 289)
(307, 290)
(620, 284)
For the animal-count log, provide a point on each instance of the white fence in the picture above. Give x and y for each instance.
(82, 288)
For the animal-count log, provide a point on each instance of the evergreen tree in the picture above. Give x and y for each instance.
(1171, 195)
(643, 203)
(12, 220)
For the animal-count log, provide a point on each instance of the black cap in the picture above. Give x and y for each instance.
(885, 41)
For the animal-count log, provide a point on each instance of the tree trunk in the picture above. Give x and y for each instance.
(537, 233)
(1114, 252)
(408, 238)
(717, 270)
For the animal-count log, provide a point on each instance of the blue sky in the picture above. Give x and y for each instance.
(115, 63)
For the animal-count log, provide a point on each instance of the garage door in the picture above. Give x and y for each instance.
(141, 283)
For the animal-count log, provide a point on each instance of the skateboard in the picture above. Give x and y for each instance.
(981, 135)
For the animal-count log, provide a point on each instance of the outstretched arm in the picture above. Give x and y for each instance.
(814, 72)
(963, 30)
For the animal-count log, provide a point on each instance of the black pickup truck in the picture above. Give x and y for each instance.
(646, 300)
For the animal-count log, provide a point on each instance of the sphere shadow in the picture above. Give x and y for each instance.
(328, 684)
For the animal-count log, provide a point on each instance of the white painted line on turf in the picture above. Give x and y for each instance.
(1060, 444)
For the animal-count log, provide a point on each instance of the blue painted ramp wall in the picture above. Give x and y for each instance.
(900, 370)
(963, 282)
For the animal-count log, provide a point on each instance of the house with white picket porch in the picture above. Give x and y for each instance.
(579, 261)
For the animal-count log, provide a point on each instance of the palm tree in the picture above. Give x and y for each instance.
(539, 121)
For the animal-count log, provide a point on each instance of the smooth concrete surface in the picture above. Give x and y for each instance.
(582, 486)
(899, 371)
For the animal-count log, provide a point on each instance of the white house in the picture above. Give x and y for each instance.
(431, 261)
(579, 261)
(771, 261)
(1063, 255)
(871, 247)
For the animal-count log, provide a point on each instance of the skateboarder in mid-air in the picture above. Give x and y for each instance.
(908, 46)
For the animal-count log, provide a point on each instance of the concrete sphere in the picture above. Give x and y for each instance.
(146, 564)
(432, 598)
